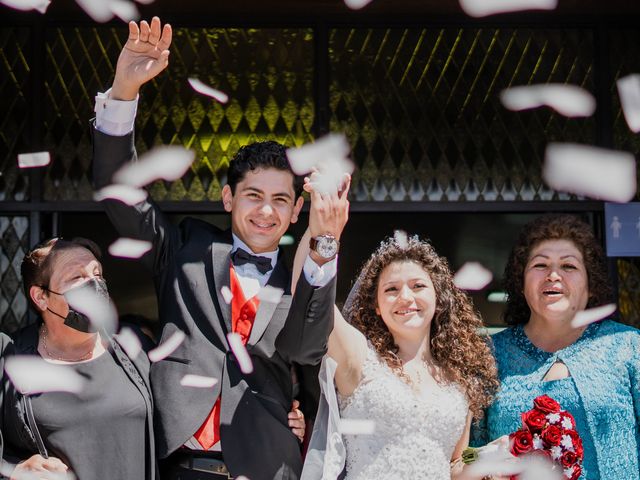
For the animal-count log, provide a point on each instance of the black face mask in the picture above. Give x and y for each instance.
(78, 320)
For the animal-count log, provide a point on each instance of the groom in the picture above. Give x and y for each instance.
(238, 427)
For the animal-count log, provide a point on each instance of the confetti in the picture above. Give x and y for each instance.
(401, 238)
(125, 11)
(204, 89)
(240, 352)
(629, 92)
(167, 347)
(198, 381)
(591, 171)
(472, 276)
(125, 193)
(129, 342)
(270, 294)
(129, 248)
(353, 426)
(165, 162)
(34, 160)
(568, 100)
(482, 8)
(31, 374)
(332, 146)
(591, 315)
(356, 4)
(226, 294)
(99, 309)
(98, 10)
(39, 5)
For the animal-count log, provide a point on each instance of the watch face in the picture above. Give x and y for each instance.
(327, 247)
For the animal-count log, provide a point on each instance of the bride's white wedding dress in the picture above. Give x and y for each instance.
(415, 433)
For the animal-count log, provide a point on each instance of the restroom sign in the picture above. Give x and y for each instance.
(622, 224)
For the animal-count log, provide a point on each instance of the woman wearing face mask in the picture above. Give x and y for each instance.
(105, 431)
(411, 361)
(556, 269)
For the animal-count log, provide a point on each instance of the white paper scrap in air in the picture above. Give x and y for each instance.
(129, 342)
(270, 294)
(568, 100)
(226, 294)
(31, 374)
(483, 8)
(356, 4)
(34, 160)
(472, 276)
(240, 352)
(167, 347)
(129, 248)
(98, 10)
(165, 162)
(401, 239)
(124, 193)
(354, 426)
(591, 315)
(591, 171)
(197, 381)
(629, 93)
(332, 147)
(39, 5)
(124, 10)
(99, 309)
(205, 89)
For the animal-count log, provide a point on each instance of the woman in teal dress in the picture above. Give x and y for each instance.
(556, 269)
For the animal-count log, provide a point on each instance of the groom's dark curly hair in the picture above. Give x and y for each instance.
(459, 351)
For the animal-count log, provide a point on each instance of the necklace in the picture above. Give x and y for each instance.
(86, 356)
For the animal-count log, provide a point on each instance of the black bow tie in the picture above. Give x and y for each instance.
(240, 257)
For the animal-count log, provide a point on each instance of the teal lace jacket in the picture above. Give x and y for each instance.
(602, 393)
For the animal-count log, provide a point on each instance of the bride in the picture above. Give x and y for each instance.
(409, 359)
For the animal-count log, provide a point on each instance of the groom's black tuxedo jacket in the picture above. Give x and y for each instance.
(190, 263)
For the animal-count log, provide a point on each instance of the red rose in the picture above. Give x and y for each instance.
(568, 459)
(551, 436)
(564, 415)
(577, 443)
(521, 442)
(535, 420)
(577, 471)
(546, 404)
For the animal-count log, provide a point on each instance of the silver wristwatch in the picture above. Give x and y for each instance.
(325, 245)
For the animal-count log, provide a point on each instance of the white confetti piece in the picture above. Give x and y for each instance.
(98, 10)
(353, 426)
(591, 315)
(330, 147)
(629, 93)
(129, 248)
(205, 89)
(482, 8)
(125, 11)
(401, 238)
(125, 193)
(34, 160)
(356, 4)
(226, 294)
(31, 374)
(167, 347)
(198, 381)
(472, 276)
(568, 100)
(591, 171)
(129, 342)
(165, 162)
(99, 309)
(240, 352)
(270, 294)
(39, 5)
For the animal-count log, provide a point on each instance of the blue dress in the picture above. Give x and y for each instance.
(602, 393)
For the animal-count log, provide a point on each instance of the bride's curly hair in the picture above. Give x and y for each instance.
(458, 349)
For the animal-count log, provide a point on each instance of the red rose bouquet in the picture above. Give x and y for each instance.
(548, 432)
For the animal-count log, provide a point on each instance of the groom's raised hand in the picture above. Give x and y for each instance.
(144, 56)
